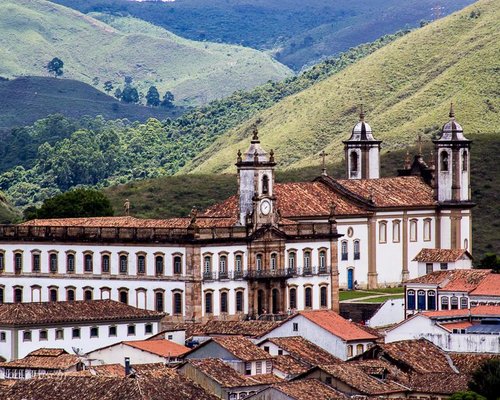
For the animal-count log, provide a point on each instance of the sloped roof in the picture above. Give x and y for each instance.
(449, 326)
(478, 311)
(338, 326)
(241, 347)
(305, 389)
(463, 280)
(51, 359)
(18, 314)
(439, 382)
(163, 348)
(441, 255)
(467, 363)
(290, 365)
(489, 286)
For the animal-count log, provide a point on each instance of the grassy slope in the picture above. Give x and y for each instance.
(7, 213)
(27, 99)
(32, 32)
(406, 86)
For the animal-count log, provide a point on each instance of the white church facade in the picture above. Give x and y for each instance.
(270, 249)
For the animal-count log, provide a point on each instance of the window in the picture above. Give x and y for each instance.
(70, 263)
(123, 264)
(307, 261)
(465, 160)
(208, 303)
(382, 232)
(27, 336)
(75, 333)
(292, 257)
(94, 332)
(148, 329)
(466, 244)
(454, 303)
(429, 267)
(280, 352)
(413, 230)
(178, 265)
(131, 330)
(265, 184)
(349, 350)
(431, 300)
(328, 380)
(322, 261)
(87, 294)
(396, 231)
(223, 266)
(43, 335)
(238, 262)
(70, 295)
(141, 264)
(343, 250)
(2, 262)
(444, 303)
(258, 262)
(207, 265)
(464, 302)
(293, 298)
(59, 334)
(35, 267)
(124, 296)
(269, 367)
(444, 161)
(223, 302)
(266, 349)
(443, 266)
(274, 261)
(18, 295)
(421, 299)
(53, 294)
(160, 265)
(258, 367)
(88, 263)
(239, 301)
(354, 163)
(295, 326)
(18, 262)
(2, 295)
(53, 262)
(308, 297)
(178, 303)
(359, 349)
(323, 297)
(248, 368)
(356, 250)
(112, 331)
(159, 306)
(427, 229)
(105, 264)
(410, 299)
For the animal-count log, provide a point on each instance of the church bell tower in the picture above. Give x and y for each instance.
(362, 152)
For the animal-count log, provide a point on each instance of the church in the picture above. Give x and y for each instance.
(271, 249)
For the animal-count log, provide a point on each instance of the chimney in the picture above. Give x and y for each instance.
(128, 370)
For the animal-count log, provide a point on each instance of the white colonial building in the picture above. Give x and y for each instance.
(271, 249)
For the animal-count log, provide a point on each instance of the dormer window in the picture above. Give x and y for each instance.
(265, 184)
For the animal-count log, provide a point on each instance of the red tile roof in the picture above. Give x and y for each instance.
(441, 255)
(467, 363)
(290, 365)
(335, 324)
(50, 359)
(307, 389)
(163, 348)
(449, 326)
(241, 347)
(76, 311)
(479, 311)
(489, 286)
(463, 280)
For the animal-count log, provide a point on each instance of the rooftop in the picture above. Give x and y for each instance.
(338, 326)
(303, 390)
(489, 286)
(478, 311)
(464, 280)
(163, 348)
(241, 347)
(442, 255)
(22, 314)
(467, 363)
(44, 358)
(290, 365)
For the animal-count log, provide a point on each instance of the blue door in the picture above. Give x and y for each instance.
(350, 279)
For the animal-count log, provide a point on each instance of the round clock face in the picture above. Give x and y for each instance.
(265, 207)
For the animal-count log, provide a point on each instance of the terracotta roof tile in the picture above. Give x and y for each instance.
(51, 359)
(75, 311)
(489, 286)
(467, 363)
(463, 280)
(290, 365)
(441, 255)
(307, 389)
(241, 347)
(379, 366)
(163, 348)
(449, 326)
(439, 382)
(335, 324)
(478, 311)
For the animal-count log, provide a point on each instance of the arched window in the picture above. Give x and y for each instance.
(141, 264)
(274, 261)
(123, 295)
(410, 300)
(105, 264)
(308, 297)
(53, 262)
(431, 300)
(207, 265)
(413, 230)
(223, 302)
(293, 298)
(18, 262)
(359, 349)
(208, 303)
(53, 294)
(2, 262)
(159, 265)
(444, 303)
(421, 299)
(159, 304)
(307, 261)
(444, 161)
(292, 260)
(177, 265)
(70, 263)
(35, 262)
(454, 303)
(343, 250)
(239, 301)
(265, 184)
(87, 294)
(323, 296)
(70, 294)
(349, 351)
(2, 295)
(466, 244)
(177, 303)
(464, 302)
(357, 252)
(354, 162)
(427, 229)
(88, 262)
(18, 295)
(223, 266)
(123, 264)
(465, 160)
(396, 231)
(238, 263)
(258, 262)
(382, 232)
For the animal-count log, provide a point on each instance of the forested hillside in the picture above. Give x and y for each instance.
(298, 32)
(33, 32)
(406, 87)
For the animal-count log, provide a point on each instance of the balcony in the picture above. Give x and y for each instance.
(344, 256)
(357, 256)
(270, 273)
(279, 273)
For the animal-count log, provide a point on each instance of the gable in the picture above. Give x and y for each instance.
(211, 349)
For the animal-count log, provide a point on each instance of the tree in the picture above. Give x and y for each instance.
(75, 203)
(490, 261)
(128, 80)
(486, 379)
(108, 86)
(130, 94)
(468, 395)
(153, 97)
(118, 93)
(168, 100)
(55, 66)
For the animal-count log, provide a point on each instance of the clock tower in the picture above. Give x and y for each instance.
(257, 203)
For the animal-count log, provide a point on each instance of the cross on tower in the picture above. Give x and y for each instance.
(323, 156)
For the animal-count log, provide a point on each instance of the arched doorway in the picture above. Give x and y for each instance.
(260, 302)
(276, 301)
(350, 279)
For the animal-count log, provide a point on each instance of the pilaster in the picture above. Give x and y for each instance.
(405, 273)
(334, 276)
(372, 254)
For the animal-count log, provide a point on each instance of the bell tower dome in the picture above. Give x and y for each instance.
(362, 152)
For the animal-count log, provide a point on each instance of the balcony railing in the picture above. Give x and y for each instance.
(283, 273)
(357, 256)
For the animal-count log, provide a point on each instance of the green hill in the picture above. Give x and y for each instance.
(27, 99)
(406, 87)
(32, 32)
(8, 214)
